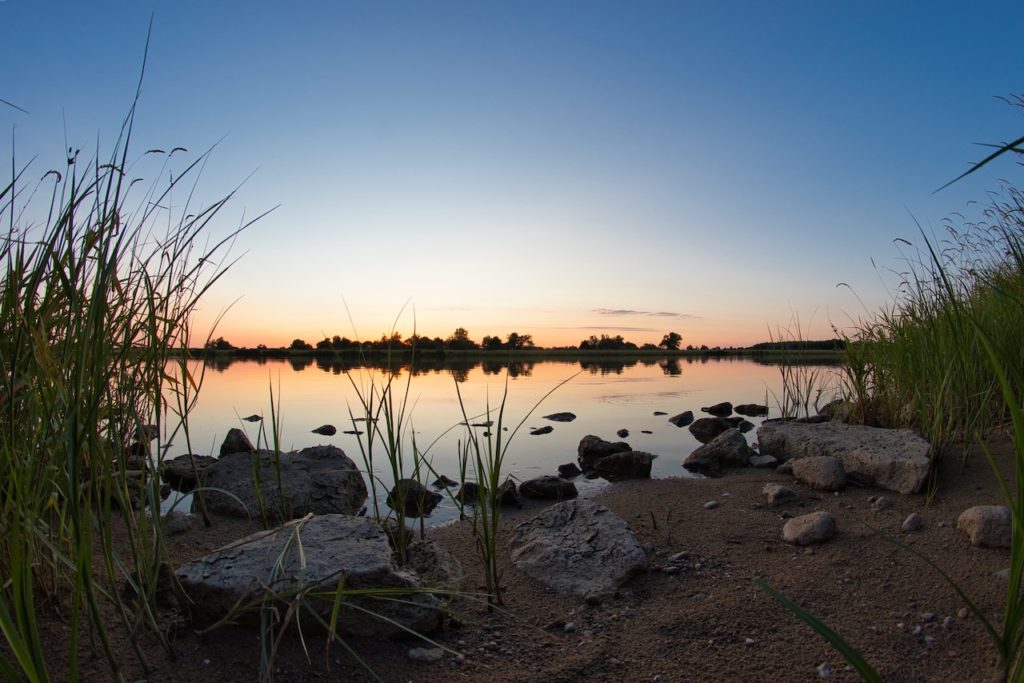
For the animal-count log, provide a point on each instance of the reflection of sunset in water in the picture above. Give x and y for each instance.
(605, 396)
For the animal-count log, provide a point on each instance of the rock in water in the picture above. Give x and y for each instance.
(593, 448)
(577, 547)
(682, 419)
(326, 430)
(569, 470)
(180, 473)
(236, 442)
(548, 488)
(415, 498)
(332, 546)
(751, 409)
(560, 417)
(253, 418)
(625, 465)
(321, 479)
(723, 409)
(893, 459)
(546, 429)
(707, 428)
(728, 449)
(622, 433)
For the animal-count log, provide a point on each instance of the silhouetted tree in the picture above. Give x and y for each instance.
(671, 341)
(518, 341)
(491, 343)
(219, 344)
(460, 340)
(299, 345)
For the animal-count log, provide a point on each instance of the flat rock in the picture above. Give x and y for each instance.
(820, 472)
(728, 449)
(763, 461)
(546, 429)
(751, 409)
(577, 547)
(893, 459)
(321, 480)
(986, 525)
(810, 529)
(313, 554)
(560, 417)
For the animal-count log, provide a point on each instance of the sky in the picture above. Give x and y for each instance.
(727, 170)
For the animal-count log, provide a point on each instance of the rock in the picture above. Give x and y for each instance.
(762, 461)
(560, 417)
(546, 429)
(423, 655)
(415, 499)
(776, 494)
(711, 505)
(629, 464)
(659, 413)
(577, 547)
(508, 496)
(236, 442)
(176, 523)
(444, 482)
(880, 503)
(913, 522)
(739, 423)
(469, 492)
(548, 488)
(824, 670)
(646, 431)
(838, 410)
(820, 472)
(435, 566)
(986, 525)
(785, 468)
(321, 479)
(751, 409)
(622, 433)
(569, 470)
(593, 448)
(326, 430)
(179, 472)
(723, 409)
(253, 418)
(332, 546)
(682, 419)
(816, 527)
(728, 449)
(707, 428)
(893, 459)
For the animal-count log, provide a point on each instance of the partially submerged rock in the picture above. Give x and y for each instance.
(236, 442)
(311, 556)
(560, 417)
(548, 488)
(893, 459)
(810, 529)
(628, 464)
(707, 428)
(593, 448)
(321, 480)
(415, 499)
(987, 525)
(326, 430)
(546, 429)
(751, 409)
(728, 449)
(577, 547)
(569, 470)
(682, 419)
(186, 471)
(723, 409)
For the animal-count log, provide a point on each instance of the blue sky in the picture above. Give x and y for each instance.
(556, 168)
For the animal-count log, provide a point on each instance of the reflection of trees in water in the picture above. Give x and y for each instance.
(300, 363)
(670, 366)
(606, 367)
(460, 374)
(515, 368)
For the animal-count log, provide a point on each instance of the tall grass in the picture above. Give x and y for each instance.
(98, 281)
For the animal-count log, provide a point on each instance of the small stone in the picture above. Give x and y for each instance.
(963, 613)
(711, 505)
(570, 627)
(824, 670)
(947, 622)
(916, 630)
(425, 655)
(670, 570)
(622, 433)
(987, 525)
(749, 641)
(459, 659)
(628, 613)
(928, 617)
(913, 522)
(929, 640)
(593, 600)
(816, 527)
(901, 626)
(881, 503)
(1003, 574)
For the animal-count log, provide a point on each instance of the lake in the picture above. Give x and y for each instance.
(606, 396)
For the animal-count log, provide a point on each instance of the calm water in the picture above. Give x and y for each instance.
(605, 397)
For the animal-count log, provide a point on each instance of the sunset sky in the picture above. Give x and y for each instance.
(557, 168)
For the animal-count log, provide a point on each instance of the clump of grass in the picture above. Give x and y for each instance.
(97, 283)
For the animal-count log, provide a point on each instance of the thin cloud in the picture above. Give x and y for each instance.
(630, 311)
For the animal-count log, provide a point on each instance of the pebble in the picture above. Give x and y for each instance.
(881, 503)
(593, 600)
(1003, 573)
(570, 627)
(628, 613)
(916, 631)
(929, 640)
(678, 557)
(963, 613)
(824, 670)
(711, 505)
(913, 522)
(426, 655)
(749, 641)
(459, 659)
(670, 570)
(928, 616)
(947, 622)
(901, 626)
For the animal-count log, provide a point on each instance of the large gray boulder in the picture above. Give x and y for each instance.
(311, 556)
(893, 459)
(320, 479)
(728, 449)
(577, 547)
